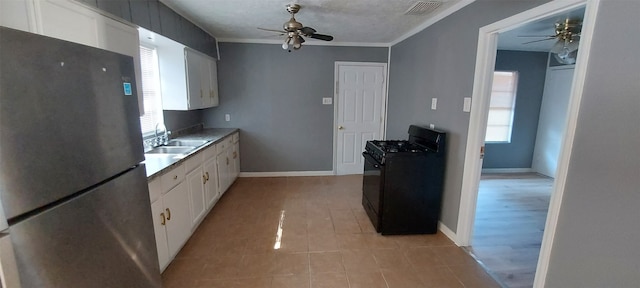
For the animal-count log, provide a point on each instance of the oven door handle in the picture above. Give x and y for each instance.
(369, 158)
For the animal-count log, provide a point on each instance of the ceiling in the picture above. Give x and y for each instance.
(511, 40)
(351, 22)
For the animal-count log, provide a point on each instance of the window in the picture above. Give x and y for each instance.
(150, 91)
(501, 107)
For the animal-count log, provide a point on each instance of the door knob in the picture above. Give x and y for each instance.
(340, 127)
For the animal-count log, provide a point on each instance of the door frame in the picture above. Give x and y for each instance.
(383, 105)
(485, 62)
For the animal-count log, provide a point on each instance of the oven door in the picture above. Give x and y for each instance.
(372, 183)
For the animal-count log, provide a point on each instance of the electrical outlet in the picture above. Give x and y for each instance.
(227, 117)
(432, 126)
(327, 101)
(434, 103)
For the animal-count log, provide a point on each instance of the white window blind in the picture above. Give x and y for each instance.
(150, 90)
(501, 107)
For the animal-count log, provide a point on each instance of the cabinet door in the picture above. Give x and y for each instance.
(222, 165)
(213, 83)
(17, 14)
(159, 224)
(176, 203)
(195, 92)
(67, 21)
(211, 186)
(122, 38)
(205, 81)
(236, 160)
(196, 180)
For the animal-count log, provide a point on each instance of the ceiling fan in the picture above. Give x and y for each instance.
(295, 31)
(567, 34)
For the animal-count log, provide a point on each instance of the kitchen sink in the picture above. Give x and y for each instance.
(187, 142)
(171, 150)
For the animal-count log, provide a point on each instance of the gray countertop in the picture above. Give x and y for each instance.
(156, 166)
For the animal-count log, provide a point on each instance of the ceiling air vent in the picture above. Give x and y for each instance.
(422, 7)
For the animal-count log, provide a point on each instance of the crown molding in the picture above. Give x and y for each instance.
(308, 42)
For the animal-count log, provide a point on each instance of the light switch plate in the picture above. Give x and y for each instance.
(467, 104)
(227, 117)
(434, 103)
(327, 101)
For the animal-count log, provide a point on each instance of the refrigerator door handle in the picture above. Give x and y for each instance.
(9, 276)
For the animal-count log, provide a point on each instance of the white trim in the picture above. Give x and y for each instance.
(432, 20)
(286, 174)
(336, 79)
(487, 46)
(308, 42)
(506, 170)
(582, 62)
(446, 231)
(386, 102)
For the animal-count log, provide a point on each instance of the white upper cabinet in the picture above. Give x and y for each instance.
(71, 21)
(186, 76)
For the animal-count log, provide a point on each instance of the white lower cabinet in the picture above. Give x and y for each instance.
(182, 197)
(211, 185)
(196, 180)
(171, 221)
(159, 222)
(228, 161)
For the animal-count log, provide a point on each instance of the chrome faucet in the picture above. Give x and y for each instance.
(162, 139)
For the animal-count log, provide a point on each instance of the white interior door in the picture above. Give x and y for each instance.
(360, 95)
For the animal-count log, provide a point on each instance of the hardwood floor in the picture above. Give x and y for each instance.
(510, 220)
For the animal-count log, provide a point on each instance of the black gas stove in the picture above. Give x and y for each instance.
(403, 180)
(380, 148)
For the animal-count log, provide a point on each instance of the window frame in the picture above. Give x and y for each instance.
(150, 133)
(514, 97)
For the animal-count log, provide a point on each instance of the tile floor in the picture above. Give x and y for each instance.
(307, 232)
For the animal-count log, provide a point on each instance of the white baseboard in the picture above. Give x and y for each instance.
(447, 232)
(507, 170)
(287, 174)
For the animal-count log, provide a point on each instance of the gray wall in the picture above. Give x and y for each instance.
(597, 241)
(531, 67)
(440, 62)
(176, 120)
(275, 98)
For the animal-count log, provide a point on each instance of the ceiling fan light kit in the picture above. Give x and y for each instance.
(295, 31)
(567, 33)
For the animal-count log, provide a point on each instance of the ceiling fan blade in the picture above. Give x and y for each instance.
(534, 41)
(307, 31)
(537, 36)
(321, 37)
(301, 39)
(272, 30)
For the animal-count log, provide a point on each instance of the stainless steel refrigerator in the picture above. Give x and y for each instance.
(74, 194)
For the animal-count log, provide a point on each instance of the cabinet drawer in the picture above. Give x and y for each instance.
(222, 146)
(235, 137)
(155, 189)
(172, 178)
(193, 162)
(209, 153)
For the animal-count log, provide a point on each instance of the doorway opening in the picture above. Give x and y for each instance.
(485, 64)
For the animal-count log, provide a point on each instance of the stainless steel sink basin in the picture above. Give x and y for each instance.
(171, 150)
(187, 142)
